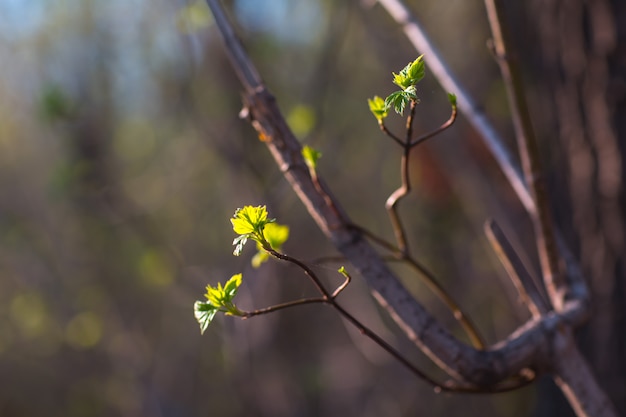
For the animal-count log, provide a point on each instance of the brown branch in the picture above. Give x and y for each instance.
(308, 271)
(387, 132)
(525, 286)
(343, 286)
(450, 355)
(278, 307)
(405, 188)
(414, 32)
(467, 105)
(450, 386)
(327, 298)
(529, 154)
(437, 131)
(431, 282)
(525, 348)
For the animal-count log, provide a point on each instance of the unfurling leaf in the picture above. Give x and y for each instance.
(311, 156)
(398, 100)
(452, 99)
(231, 287)
(249, 222)
(204, 313)
(249, 219)
(275, 234)
(378, 107)
(218, 299)
(411, 74)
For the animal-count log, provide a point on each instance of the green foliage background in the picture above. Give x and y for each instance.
(122, 158)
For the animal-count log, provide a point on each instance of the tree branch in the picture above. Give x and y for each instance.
(478, 119)
(526, 348)
(577, 287)
(525, 286)
(529, 154)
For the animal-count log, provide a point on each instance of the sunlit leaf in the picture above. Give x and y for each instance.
(411, 74)
(398, 100)
(311, 156)
(416, 70)
(250, 220)
(204, 313)
(231, 286)
(215, 295)
(378, 107)
(276, 234)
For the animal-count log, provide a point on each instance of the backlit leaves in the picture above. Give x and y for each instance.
(407, 80)
(411, 74)
(275, 234)
(219, 298)
(378, 107)
(248, 223)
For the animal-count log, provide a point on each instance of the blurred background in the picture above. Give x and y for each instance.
(122, 158)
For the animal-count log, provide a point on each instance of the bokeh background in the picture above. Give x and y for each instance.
(122, 158)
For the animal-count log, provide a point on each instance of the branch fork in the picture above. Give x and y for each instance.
(544, 342)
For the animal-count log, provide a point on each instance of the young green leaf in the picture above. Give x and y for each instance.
(214, 295)
(231, 287)
(411, 74)
(398, 100)
(219, 298)
(452, 99)
(378, 107)
(416, 70)
(311, 156)
(204, 313)
(250, 219)
(249, 222)
(275, 234)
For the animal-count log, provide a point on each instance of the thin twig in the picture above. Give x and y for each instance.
(475, 115)
(437, 131)
(308, 271)
(452, 386)
(483, 368)
(525, 286)
(405, 188)
(391, 206)
(407, 145)
(529, 154)
(289, 304)
(343, 286)
(431, 282)
(387, 132)
(328, 298)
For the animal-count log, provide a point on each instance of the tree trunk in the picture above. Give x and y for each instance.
(583, 45)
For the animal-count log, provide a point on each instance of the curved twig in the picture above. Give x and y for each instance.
(437, 131)
(523, 348)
